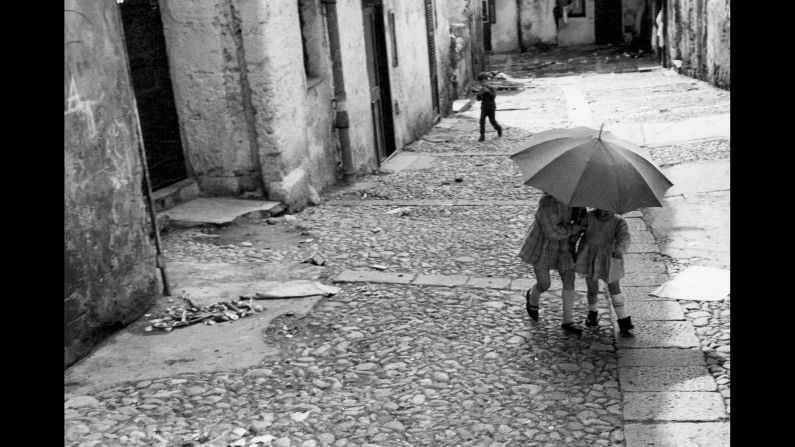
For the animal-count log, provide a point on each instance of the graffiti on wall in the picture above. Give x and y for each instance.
(76, 104)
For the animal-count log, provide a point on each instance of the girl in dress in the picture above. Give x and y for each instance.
(546, 247)
(600, 255)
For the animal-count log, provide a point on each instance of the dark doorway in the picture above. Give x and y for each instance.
(378, 71)
(607, 22)
(146, 49)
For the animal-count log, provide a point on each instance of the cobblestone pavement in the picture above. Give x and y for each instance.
(407, 365)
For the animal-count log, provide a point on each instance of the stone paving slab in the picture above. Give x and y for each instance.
(488, 283)
(639, 293)
(379, 277)
(660, 357)
(217, 210)
(663, 310)
(660, 334)
(673, 406)
(666, 378)
(677, 434)
(408, 161)
(441, 280)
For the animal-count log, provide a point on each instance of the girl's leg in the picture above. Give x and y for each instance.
(533, 295)
(620, 306)
(568, 293)
(593, 300)
(619, 303)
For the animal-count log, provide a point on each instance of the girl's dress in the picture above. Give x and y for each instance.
(595, 253)
(547, 243)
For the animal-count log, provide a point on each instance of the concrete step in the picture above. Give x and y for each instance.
(677, 434)
(219, 210)
(171, 196)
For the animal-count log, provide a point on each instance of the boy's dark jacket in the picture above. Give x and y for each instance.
(486, 95)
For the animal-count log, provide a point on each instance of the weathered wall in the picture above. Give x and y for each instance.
(579, 30)
(504, 33)
(109, 273)
(295, 115)
(204, 46)
(412, 106)
(698, 35)
(538, 22)
(460, 54)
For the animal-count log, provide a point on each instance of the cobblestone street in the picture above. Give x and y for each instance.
(408, 363)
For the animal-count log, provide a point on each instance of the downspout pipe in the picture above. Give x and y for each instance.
(522, 49)
(342, 122)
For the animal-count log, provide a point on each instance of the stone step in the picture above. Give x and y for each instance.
(662, 310)
(659, 334)
(666, 378)
(660, 357)
(171, 196)
(673, 406)
(220, 210)
(677, 434)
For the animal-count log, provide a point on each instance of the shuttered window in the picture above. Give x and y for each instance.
(429, 24)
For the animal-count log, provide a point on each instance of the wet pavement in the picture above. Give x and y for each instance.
(385, 364)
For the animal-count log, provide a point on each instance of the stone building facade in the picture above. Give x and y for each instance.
(698, 37)
(109, 274)
(269, 99)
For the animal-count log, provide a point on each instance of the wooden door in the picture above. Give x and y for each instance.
(378, 74)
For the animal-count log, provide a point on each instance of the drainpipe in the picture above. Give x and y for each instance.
(342, 123)
(519, 25)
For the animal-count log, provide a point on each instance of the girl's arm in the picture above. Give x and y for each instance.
(622, 237)
(552, 227)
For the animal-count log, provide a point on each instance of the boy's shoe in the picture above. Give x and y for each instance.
(625, 326)
(482, 138)
(499, 133)
(571, 328)
(593, 318)
(531, 310)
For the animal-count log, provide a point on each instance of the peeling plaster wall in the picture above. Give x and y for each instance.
(203, 40)
(579, 30)
(109, 260)
(504, 35)
(538, 22)
(295, 119)
(410, 80)
(699, 36)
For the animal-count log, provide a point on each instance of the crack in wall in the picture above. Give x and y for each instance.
(249, 111)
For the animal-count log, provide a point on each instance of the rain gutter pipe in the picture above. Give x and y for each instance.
(342, 122)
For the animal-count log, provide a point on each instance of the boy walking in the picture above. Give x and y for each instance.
(488, 107)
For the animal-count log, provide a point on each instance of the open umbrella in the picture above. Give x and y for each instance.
(584, 167)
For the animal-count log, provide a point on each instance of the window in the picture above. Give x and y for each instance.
(574, 8)
(393, 32)
(311, 22)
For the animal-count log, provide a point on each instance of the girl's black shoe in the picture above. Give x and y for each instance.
(625, 326)
(571, 328)
(593, 318)
(531, 310)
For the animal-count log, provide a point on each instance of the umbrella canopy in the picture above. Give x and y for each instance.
(589, 168)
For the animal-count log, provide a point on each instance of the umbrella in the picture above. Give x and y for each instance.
(584, 167)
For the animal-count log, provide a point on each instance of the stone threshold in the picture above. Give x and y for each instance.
(173, 195)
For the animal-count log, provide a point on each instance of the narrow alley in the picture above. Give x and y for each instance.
(428, 342)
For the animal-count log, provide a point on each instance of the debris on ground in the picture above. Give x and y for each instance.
(497, 81)
(400, 211)
(188, 314)
(378, 267)
(298, 288)
(315, 259)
